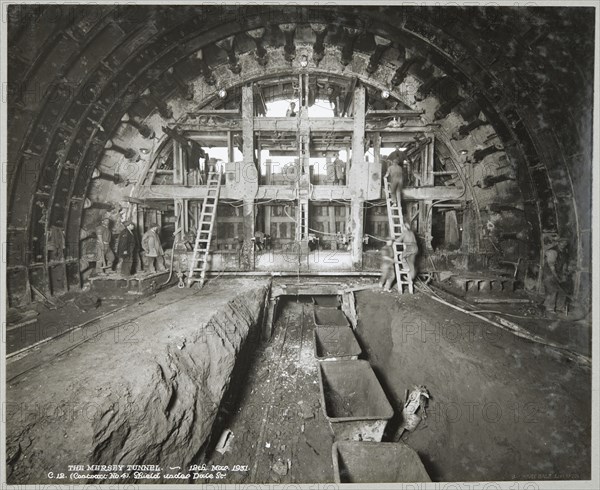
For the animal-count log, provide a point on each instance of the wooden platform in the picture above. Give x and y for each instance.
(115, 285)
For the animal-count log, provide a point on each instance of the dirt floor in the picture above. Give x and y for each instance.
(46, 323)
(278, 428)
(502, 408)
(568, 328)
(140, 387)
(39, 322)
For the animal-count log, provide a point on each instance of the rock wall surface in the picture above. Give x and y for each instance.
(146, 392)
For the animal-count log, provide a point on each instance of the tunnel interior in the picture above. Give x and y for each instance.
(135, 114)
(505, 93)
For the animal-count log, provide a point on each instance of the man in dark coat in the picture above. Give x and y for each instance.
(127, 250)
(104, 254)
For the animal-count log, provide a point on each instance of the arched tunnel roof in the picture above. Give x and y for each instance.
(74, 72)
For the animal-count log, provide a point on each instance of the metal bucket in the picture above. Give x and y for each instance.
(353, 401)
(376, 462)
(335, 343)
(326, 301)
(329, 317)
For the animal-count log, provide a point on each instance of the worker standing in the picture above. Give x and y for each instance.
(397, 153)
(291, 112)
(555, 296)
(395, 178)
(104, 254)
(339, 167)
(259, 240)
(127, 250)
(330, 168)
(387, 266)
(409, 254)
(153, 250)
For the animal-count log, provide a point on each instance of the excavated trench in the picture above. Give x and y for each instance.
(236, 407)
(497, 410)
(283, 414)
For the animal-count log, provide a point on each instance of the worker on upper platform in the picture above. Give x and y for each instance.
(399, 153)
(291, 112)
(339, 169)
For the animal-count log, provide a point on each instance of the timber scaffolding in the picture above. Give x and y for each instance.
(243, 185)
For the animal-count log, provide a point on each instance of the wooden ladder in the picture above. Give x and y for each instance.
(396, 224)
(302, 220)
(205, 230)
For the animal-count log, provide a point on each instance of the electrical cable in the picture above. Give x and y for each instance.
(323, 232)
(377, 238)
(286, 213)
(518, 331)
(501, 313)
(430, 290)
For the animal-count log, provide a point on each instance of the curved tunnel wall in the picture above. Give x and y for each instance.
(73, 73)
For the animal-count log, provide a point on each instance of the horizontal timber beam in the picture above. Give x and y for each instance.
(283, 192)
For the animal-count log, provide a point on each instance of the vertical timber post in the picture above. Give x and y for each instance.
(248, 176)
(427, 179)
(359, 175)
(377, 167)
(249, 218)
(358, 223)
(358, 172)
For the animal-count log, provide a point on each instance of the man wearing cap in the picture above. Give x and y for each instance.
(127, 250)
(104, 254)
(153, 250)
(339, 167)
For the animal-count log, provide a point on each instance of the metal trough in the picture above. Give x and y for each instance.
(329, 317)
(335, 343)
(353, 401)
(326, 301)
(376, 462)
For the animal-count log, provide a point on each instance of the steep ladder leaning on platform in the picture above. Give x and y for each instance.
(396, 223)
(205, 230)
